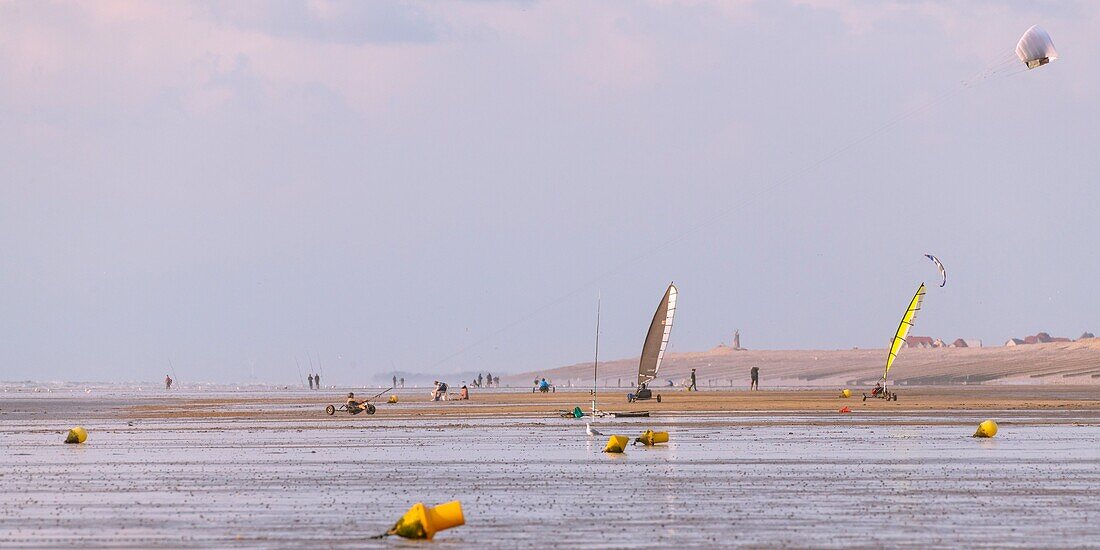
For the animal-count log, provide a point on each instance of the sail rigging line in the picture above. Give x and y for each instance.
(982, 76)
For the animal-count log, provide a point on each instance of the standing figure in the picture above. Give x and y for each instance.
(479, 379)
(311, 380)
(402, 381)
(754, 373)
(317, 381)
(395, 381)
(693, 387)
(167, 382)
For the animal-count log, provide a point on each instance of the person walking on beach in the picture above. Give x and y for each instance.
(693, 387)
(167, 382)
(402, 381)
(395, 381)
(488, 379)
(754, 374)
(479, 379)
(536, 388)
(310, 380)
(317, 381)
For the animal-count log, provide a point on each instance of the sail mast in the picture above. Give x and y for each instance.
(596, 361)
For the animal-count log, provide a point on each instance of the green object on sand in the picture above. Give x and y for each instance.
(577, 412)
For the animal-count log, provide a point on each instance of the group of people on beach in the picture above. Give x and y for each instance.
(314, 381)
(487, 382)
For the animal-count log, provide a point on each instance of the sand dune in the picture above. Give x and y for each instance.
(1053, 363)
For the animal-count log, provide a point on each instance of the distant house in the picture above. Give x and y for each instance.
(959, 343)
(920, 342)
(973, 342)
(1037, 338)
(1086, 335)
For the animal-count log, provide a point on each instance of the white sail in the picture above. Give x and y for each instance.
(656, 340)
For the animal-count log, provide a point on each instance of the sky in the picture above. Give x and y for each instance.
(449, 186)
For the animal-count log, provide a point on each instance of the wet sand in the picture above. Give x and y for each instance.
(777, 468)
(417, 403)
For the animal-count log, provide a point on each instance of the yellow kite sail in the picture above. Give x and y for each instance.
(903, 329)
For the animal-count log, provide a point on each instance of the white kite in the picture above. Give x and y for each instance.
(943, 272)
(1035, 48)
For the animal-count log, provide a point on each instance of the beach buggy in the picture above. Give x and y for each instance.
(880, 391)
(355, 407)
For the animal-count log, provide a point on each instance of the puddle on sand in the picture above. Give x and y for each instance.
(536, 482)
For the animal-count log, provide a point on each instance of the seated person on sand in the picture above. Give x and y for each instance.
(440, 391)
(464, 393)
(544, 386)
(355, 406)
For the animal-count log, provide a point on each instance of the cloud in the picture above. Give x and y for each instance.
(335, 21)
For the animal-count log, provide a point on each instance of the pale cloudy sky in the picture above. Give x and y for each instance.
(446, 186)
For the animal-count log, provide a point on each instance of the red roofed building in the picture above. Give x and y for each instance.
(920, 342)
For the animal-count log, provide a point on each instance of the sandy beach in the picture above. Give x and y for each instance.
(772, 468)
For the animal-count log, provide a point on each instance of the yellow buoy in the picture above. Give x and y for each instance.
(650, 437)
(845, 393)
(76, 435)
(616, 444)
(393, 399)
(986, 429)
(421, 522)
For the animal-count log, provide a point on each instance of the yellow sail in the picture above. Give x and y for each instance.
(903, 329)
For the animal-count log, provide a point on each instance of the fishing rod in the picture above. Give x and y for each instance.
(175, 378)
(299, 365)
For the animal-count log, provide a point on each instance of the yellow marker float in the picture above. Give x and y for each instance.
(421, 522)
(650, 437)
(986, 429)
(616, 444)
(845, 393)
(392, 399)
(76, 435)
